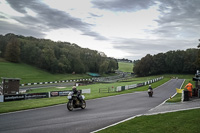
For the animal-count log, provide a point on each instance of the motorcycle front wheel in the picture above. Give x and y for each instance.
(83, 104)
(70, 106)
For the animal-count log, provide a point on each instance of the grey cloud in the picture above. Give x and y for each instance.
(95, 15)
(138, 48)
(123, 5)
(53, 18)
(94, 34)
(48, 18)
(17, 29)
(178, 17)
(2, 17)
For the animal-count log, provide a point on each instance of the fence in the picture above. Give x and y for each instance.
(6, 98)
(127, 87)
(55, 82)
(106, 90)
(122, 88)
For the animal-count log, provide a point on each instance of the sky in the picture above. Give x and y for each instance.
(128, 29)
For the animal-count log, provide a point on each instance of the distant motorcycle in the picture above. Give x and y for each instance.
(75, 101)
(150, 92)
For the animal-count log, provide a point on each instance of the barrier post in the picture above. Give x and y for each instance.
(1, 98)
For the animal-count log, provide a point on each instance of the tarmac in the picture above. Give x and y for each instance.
(166, 107)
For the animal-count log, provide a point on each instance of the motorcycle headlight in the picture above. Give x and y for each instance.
(83, 96)
(69, 97)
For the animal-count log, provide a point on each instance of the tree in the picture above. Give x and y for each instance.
(104, 67)
(159, 65)
(12, 52)
(197, 62)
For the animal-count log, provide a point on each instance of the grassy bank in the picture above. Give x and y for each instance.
(30, 74)
(176, 122)
(125, 67)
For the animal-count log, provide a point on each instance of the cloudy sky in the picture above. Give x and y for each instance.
(119, 28)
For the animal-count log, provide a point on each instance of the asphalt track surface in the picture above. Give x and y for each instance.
(99, 113)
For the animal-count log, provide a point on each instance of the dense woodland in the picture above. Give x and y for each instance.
(179, 61)
(55, 57)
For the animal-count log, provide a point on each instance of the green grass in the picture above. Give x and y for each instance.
(125, 67)
(176, 122)
(30, 74)
(30, 104)
(176, 98)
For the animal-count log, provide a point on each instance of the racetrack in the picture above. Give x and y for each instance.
(98, 113)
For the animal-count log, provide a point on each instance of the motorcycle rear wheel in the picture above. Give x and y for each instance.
(150, 94)
(70, 106)
(83, 104)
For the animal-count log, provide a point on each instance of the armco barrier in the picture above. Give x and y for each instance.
(132, 86)
(126, 87)
(84, 91)
(55, 82)
(14, 97)
(36, 95)
(1, 98)
(59, 93)
(140, 84)
(25, 96)
(5, 98)
(122, 88)
(118, 88)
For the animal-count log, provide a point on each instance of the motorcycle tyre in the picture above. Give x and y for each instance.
(83, 106)
(151, 94)
(70, 106)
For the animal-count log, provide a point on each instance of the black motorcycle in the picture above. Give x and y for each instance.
(76, 102)
(150, 92)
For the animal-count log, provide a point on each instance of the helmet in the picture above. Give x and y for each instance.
(149, 85)
(74, 89)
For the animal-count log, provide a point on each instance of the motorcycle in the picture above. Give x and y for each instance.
(75, 101)
(150, 92)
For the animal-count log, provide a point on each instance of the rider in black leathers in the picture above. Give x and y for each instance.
(150, 89)
(78, 93)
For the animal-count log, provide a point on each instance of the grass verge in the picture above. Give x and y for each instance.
(176, 122)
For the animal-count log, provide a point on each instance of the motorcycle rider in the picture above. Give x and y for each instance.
(76, 92)
(150, 89)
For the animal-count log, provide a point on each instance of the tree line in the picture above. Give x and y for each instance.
(55, 57)
(176, 62)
